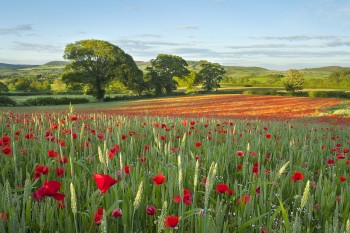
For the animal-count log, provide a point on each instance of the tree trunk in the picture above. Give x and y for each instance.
(100, 94)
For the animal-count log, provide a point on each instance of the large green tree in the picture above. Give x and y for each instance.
(210, 75)
(162, 71)
(95, 63)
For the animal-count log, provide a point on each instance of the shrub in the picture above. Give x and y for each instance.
(7, 101)
(329, 94)
(42, 101)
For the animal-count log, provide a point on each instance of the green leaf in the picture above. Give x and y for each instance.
(250, 222)
(285, 217)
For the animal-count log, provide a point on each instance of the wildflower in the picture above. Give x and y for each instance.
(117, 212)
(59, 171)
(240, 153)
(222, 188)
(342, 179)
(127, 169)
(158, 179)
(171, 221)
(104, 182)
(98, 216)
(245, 199)
(151, 210)
(198, 144)
(50, 188)
(297, 176)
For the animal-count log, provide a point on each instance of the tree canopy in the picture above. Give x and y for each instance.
(294, 81)
(95, 63)
(210, 75)
(162, 71)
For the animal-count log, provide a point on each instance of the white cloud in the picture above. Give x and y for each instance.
(16, 30)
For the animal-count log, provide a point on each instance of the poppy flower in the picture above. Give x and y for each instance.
(177, 199)
(245, 199)
(127, 169)
(5, 140)
(229, 192)
(98, 216)
(240, 153)
(222, 188)
(330, 161)
(268, 136)
(257, 191)
(187, 197)
(59, 171)
(3, 216)
(297, 176)
(198, 144)
(50, 188)
(117, 212)
(151, 210)
(100, 136)
(342, 179)
(171, 221)
(159, 179)
(73, 118)
(123, 137)
(7, 150)
(104, 182)
(340, 156)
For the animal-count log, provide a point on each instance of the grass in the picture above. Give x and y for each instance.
(264, 196)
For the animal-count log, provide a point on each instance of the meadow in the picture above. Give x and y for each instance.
(225, 163)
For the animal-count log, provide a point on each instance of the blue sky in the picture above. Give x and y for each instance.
(275, 34)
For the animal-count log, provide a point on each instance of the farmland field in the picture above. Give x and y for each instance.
(225, 163)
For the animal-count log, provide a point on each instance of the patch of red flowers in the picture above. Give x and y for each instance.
(187, 197)
(50, 189)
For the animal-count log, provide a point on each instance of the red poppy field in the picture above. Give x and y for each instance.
(103, 172)
(236, 106)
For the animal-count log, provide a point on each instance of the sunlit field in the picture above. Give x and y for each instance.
(237, 107)
(137, 172)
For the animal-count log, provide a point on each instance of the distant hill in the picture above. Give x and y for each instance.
(56, 63)
(4, 66)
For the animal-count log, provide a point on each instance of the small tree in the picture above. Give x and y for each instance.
(294, 81)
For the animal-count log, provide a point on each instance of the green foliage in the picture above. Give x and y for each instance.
(210, 75)
(95, 63)
(3, 87)
(42, 101)
(294, 81)
(330, 94)
(162, 71)
(189, 81)
(7, 101)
